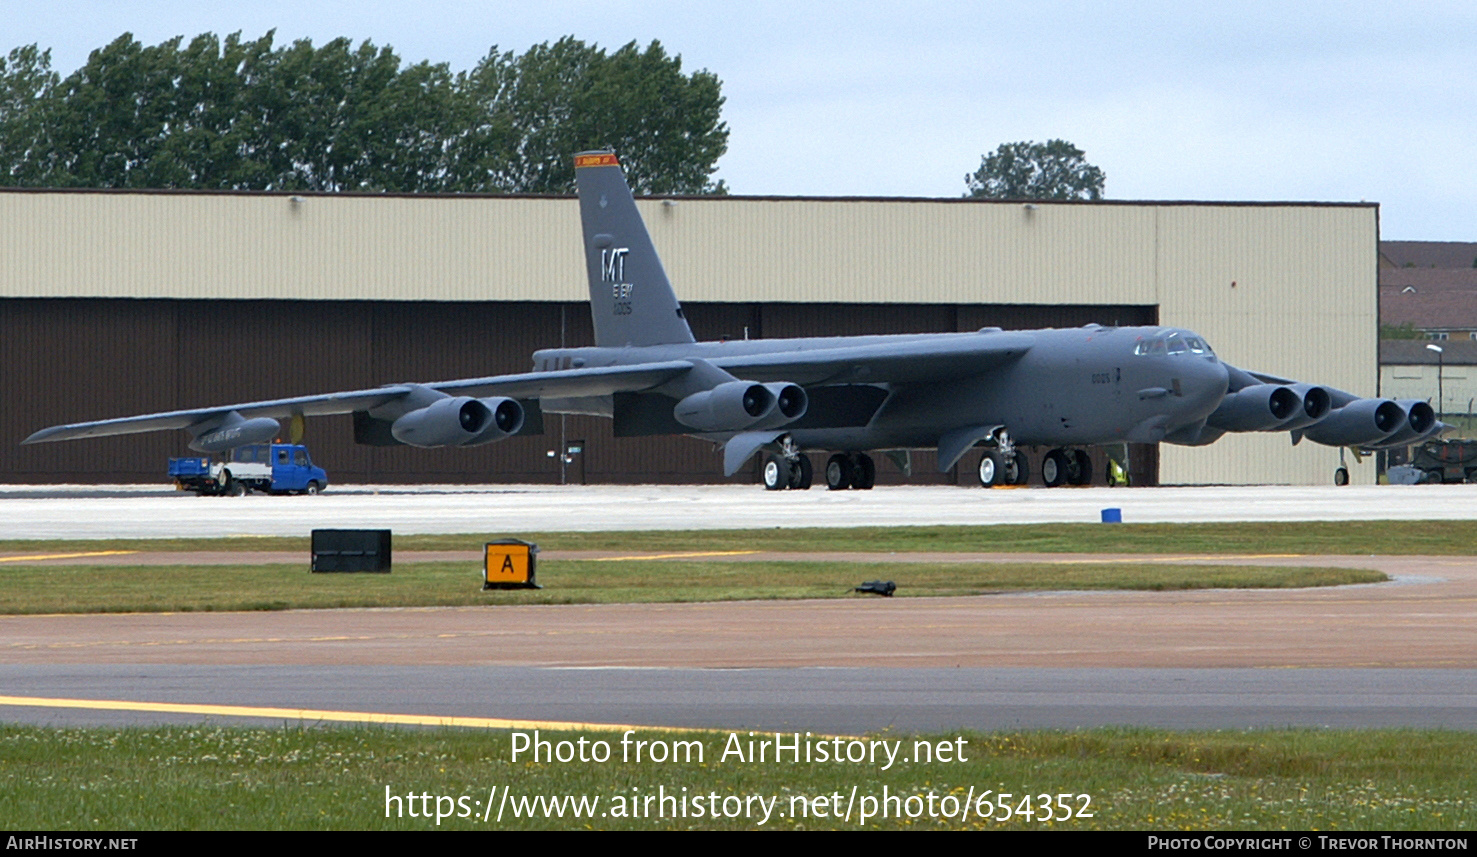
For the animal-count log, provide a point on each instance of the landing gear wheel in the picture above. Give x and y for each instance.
(1082, 473)
(1018, 469)
(992, 469)
(1341, 476)
(838, 472)
(776, 473)
(863, 472)
(1054, 468)
(801, 473)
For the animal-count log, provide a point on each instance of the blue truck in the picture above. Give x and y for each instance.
(275, 468)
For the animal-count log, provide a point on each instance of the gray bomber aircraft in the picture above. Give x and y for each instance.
(1060, 389)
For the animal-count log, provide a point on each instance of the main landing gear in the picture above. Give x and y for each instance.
(1066, 466)
(789, 469)
(998, 469)
(1003, 464)
(850, 470)
(843, 470)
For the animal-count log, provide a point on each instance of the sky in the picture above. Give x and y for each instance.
(1303, 101)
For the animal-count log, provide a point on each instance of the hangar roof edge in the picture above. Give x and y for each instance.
(693, 198)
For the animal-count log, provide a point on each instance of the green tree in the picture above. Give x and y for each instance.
(1055, 169)
(533, 111)
(236, 114)
(26, 82)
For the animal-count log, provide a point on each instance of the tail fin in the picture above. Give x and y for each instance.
(631, 300)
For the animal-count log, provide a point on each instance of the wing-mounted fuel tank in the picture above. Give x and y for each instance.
(427, 418)
(227, 431)
(742, 406)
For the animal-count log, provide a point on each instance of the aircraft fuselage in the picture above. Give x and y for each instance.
(1072, 386)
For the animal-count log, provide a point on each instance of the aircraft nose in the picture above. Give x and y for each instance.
(1202, 385)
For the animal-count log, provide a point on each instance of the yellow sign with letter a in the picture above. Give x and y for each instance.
(509, 564)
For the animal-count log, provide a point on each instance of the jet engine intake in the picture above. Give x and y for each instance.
(741, 405)
(1362, 422)
(1316, 405)
(459, 421)
(790, 404)
(1420, 421)
(1256, 408)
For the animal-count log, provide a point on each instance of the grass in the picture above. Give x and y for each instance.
(1290, 537)
(104, 589)
(211, 777)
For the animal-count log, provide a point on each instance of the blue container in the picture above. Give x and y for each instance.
(1112, 516)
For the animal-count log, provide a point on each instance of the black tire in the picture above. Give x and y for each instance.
(992, 469)
(237, 488)
(313, 489)
(1019, 469)
(802, 473)
(863, 472)
(776, 474)
(1341, 476)
(1054, 469)
(1082, 472)
(838, 472)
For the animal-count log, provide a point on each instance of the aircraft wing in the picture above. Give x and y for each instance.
(601, 381)
(878, 363)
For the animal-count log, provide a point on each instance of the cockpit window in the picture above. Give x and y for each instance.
(1172, 343)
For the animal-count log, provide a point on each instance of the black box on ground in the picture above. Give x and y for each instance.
(351, 550)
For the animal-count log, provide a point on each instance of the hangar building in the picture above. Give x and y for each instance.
(118, 303)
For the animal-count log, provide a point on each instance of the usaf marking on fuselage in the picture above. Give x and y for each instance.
(1064, 389)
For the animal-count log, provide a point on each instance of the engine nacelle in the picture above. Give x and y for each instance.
(459, 421)
(1257, 408)
(790, 404)
(1420, 421)
(1362, 422)
(1316, 405)
(507, 420)
(740, 405)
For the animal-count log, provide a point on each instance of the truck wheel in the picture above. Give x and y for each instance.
(313, 489)
(237, 489)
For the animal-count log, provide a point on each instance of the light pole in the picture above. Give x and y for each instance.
(1440, 371)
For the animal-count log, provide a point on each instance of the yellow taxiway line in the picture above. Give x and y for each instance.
(39, 557)
(313, 714)
(673, 556)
